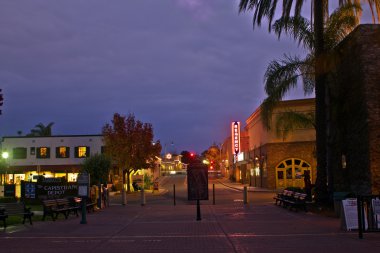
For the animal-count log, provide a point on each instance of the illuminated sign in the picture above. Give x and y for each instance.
(240, 157)
(235, 127)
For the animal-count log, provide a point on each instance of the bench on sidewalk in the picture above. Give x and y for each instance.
(90, 206)
(15, 209)
(293, 200)
(54, 207)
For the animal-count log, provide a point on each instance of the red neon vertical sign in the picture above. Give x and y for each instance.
(235, 128)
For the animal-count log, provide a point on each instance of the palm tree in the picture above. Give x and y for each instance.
(267, 9)
(283, 75)
(41, 130)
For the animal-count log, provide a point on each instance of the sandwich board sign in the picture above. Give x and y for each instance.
(197, 182)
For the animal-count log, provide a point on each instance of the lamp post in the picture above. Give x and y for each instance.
(5, 156)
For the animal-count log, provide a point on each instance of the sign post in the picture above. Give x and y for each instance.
(83, 182)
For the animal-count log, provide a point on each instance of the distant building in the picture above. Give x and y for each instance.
(54, 156)
(171, 165)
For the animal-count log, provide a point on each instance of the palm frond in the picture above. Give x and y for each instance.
(341, 22)
(282, 75)
(267, 107)
(308, 74)
(297, 27)
(289, 121)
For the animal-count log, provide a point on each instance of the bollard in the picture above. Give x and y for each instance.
(198, 210)
(245, 195)
(142, 197)
(213, 194)
(174, 193)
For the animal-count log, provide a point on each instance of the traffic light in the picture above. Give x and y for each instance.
(211, 165)
(192, 154)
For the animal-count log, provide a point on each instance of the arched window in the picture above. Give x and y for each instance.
(289, 173)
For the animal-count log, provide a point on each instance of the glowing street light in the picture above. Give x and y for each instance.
(5, 155)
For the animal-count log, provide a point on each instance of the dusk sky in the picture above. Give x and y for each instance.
(189, 67)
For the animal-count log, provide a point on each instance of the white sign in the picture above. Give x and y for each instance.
(350, 210)
(83, 190)
(235, 135)
(376, 211)
(240, 157)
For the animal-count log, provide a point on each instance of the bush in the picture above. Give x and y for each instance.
(8, 200)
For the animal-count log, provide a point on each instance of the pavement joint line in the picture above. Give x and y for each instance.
(224, 232)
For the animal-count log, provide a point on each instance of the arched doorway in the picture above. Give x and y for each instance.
(289, 173)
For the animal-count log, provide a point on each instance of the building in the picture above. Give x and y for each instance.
(171, 164)
(54, 156)
(269, 160)
(277, 161)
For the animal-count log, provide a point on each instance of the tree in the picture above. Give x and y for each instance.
(267, 9)
(212, 154)
(129, 143)
(42, 130)
(98, 166)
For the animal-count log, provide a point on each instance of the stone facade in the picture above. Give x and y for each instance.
(278, 152)
(355, 107)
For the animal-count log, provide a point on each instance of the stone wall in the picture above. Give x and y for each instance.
(355, 107)
(277, 152)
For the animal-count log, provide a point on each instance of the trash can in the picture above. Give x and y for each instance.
(338, 197)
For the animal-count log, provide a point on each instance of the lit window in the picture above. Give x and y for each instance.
(82, 152)
(62, 152)
(43, 152)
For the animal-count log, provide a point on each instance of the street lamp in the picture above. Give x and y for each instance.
(5, 156)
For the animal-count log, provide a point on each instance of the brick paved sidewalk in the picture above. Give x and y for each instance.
(232, 227)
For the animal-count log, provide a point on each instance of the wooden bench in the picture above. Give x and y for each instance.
(66, 207)
(293, 200)
(297, 202)
(281, 198)
(90, 206)
(54, 207)
(15, 209)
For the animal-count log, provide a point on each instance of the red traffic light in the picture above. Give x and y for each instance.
(192, 155)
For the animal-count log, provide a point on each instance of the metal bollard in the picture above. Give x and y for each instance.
(213, 194)
(142, 197)
(245, 195)
(174, 193)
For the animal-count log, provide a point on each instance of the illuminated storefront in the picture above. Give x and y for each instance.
(51, 157)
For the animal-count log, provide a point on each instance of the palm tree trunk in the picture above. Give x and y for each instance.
(320, 92)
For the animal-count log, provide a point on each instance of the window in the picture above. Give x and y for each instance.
(43, 152)
(82, 152)
(62, 152)
(32, 151)
(19, 153)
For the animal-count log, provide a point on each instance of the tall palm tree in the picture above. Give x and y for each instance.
(267, 9)
(42, 130)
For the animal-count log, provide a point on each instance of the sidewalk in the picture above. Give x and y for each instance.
(259, 226)
(240, 186)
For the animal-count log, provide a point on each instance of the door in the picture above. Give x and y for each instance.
(289, 173)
